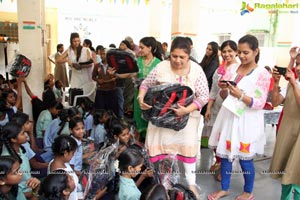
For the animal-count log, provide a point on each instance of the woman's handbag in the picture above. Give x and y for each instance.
(162, 98)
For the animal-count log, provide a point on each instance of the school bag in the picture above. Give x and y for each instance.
(180, 192)
(164, 97)
(20, 66)
(122, 61)
(101, 172)
(168, 173)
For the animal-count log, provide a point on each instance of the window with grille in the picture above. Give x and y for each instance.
(223, 37)
(262, 37)
(10, 30)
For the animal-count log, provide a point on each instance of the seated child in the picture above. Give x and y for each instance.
(58, 90)
(37, 164)
(98, 133)
(63, 148)
(77, 132)
(57, 185)
(12, 138)
(58, 126)
(10, 177)
(130, 164)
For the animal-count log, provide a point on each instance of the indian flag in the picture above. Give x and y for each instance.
(29, 25)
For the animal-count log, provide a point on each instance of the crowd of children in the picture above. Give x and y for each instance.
(45, 159)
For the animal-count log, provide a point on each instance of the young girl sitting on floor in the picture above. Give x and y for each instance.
(37, 164)
(58, 126)
(77, 131)
(53, 108)
(120, 132)
(57, 185)
(12, 138)
(98, 133)
(10, 177)
(130, 164)
(63, 148)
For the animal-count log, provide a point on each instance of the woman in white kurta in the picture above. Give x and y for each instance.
(217, 95)
(183, 144)
(238, 132)
(74, 55)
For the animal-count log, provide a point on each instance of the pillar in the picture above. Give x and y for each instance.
(31, 31)
(185, 18)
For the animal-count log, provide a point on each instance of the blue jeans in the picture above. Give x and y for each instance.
(248, 172)
(120, 100)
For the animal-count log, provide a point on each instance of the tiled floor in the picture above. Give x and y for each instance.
(265, 188)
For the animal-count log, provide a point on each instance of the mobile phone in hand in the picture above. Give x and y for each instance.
(231, 82)
(281, 70)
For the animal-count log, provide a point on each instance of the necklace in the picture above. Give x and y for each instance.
(148, 62)
(147, 66)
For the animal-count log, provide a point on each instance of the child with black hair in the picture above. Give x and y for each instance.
(63, 148)
(130, 164)
(120, 133)
(46, 116)
(57, 186)
(58, 126)
(12, 138)
(77, 130)
(49, 82)
(38, 165)
(3, 112)
(58, 90)
(13, 100)
(98, 133)
(88, 110)
(10, 177)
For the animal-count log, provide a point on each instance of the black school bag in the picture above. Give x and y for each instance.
(101, 172)
(180, 192)
(122, 61)
(163, 98)
(21, 66)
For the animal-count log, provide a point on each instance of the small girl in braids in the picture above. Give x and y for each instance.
(10, 177)
(13, 136)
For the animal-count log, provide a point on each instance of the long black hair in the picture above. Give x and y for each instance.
(79, 48)
(11, 131)
(99, 113)
(63, 143)
(6, 163)
(151, 42)
(20, 118)
(129, 157)
(54, 184)
(206, 60)
(64, 118)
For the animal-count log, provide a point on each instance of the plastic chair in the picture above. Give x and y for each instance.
(89, 90)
